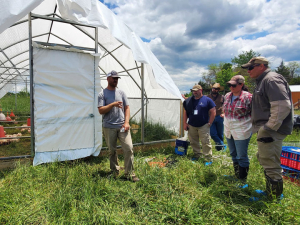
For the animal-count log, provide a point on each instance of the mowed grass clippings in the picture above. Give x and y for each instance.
(183, 192)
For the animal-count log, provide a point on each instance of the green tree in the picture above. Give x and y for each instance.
(241, 59)
(295, 81)
(204, 85)
(284, 71)
(209, 78)
(244, 57)
(225, 75)
(293, 67)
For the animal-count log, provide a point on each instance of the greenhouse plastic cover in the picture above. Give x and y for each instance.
(120, 48)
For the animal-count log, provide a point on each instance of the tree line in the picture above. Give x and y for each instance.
(222, 72)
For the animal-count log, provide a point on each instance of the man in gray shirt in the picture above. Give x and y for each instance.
(113, 105)
(272, 118)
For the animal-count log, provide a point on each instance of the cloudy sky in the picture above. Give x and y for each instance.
(186, 36)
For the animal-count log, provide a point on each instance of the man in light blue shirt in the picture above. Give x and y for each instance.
(113, 105)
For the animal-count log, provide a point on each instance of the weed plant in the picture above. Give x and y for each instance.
(186, 192)
(153, 132)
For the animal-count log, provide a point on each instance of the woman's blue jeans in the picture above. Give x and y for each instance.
(239, 151)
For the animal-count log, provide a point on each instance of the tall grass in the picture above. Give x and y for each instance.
(153, 132)
(82, 192)
(8, 102)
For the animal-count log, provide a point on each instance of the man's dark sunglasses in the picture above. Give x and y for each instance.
(252, 67)
(216, 88)
(231, 85)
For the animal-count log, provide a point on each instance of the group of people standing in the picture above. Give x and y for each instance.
(238, 115)
(267, 112)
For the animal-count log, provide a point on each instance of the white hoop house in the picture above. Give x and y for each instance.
(69, 80)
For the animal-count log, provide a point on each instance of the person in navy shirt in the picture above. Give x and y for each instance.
(199, 114)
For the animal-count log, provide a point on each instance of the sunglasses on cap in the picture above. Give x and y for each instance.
(252, 67)
(231, 85)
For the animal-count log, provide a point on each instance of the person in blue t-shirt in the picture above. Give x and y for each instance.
(199, 114)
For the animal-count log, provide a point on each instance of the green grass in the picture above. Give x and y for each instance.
(82, 192)
(8, 102)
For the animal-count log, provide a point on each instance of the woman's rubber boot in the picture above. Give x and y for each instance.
(243, 172)
(274, 189)
(236, 170)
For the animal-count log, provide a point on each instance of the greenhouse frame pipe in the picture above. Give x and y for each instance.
(65, 46)
(109, 53)
(51, 23)
(16, 64)
(25, 39)
(136, 111)
(96, 51)
(15, 157)
(7, 67)
(31, 84)
(13, 65)
(142, 105)
(16, 127)
(24, 21)
(175, 99)
(137, 67)
(61, 39)
(19, 137)
(103, 148)
(181, 119)
(59, 20)
(16, 95)
(145, 143)
(106, 51)
(7, 74)
(145, 92)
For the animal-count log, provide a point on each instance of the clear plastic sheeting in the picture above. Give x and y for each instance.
(67, 124)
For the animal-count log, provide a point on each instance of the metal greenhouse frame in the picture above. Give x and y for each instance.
(14, 74)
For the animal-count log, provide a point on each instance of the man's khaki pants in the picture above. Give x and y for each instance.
(202, 133)
(268, 154)
(111, 135)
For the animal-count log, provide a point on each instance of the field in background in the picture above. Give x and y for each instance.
(8, 102)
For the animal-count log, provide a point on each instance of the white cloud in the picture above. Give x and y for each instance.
(186, 36)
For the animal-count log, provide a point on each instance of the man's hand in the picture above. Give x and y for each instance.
(126, 126)
(186, 126)
(118, 104)
(184, 96)
(222, 115)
